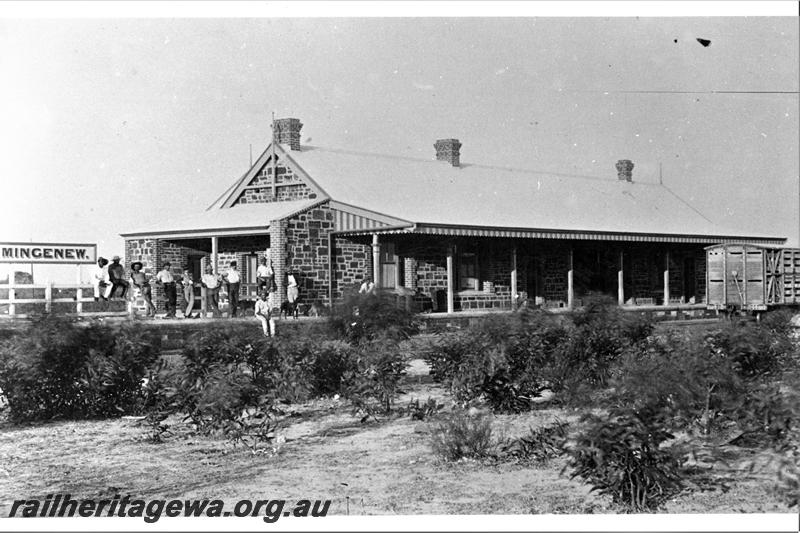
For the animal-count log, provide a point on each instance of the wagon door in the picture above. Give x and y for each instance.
(753, 278)
(715, 277)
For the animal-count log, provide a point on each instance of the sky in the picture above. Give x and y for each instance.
(109, 124)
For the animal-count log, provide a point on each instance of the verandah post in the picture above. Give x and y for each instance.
(570, 287)
(376, 260)
(450, 291)
(620, 277)
(666, 278)
(513, 278)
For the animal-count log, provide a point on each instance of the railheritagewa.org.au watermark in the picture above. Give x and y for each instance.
(64, 506)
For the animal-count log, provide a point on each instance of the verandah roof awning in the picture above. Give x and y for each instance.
(248, 219)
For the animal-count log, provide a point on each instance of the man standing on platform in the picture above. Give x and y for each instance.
(210, 281)
(234, 282)
(165, 278)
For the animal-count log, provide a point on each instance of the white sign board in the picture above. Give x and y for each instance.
(66, 254)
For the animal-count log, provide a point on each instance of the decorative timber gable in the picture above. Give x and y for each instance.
(273, 180)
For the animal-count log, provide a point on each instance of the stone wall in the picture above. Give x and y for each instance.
(308, 251)
(352, 261)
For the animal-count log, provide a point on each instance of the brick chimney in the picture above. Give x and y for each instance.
(287, 131)
(448, 150)
(625, 170)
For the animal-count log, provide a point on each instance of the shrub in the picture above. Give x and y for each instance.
(365, 317)
(501, 360)
(756, 349)
(462, 435)
(622, 456)
(600, 333)
(374, 382)
(681, 375)
(538, 447)
(333, 360)
(57, 369)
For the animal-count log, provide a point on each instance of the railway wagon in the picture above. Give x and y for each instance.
(751, 277)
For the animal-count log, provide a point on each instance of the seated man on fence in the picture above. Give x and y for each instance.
(100, 280)
(116, 274)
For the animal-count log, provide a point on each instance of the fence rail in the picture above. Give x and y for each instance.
(13, 301)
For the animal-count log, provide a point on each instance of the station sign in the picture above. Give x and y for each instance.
(66, 254)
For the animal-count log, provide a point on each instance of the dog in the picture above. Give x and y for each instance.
(289, 309)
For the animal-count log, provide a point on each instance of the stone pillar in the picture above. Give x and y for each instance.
(278, 254)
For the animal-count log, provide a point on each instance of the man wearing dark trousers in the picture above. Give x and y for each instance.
(234, 282)
(116, 273)
(170, 292)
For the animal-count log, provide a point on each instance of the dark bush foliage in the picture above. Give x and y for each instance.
(365, 317)
(757, 349)
(509, 360)
(59, 369)
(682, 375)
(538, 447)
(462, 435)
(374, 382)
(622, 455)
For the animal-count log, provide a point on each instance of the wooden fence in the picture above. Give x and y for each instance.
(50, 297)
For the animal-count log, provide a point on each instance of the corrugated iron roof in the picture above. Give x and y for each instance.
(434, 192)
(240, 219)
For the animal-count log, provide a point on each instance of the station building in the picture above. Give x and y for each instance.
(446, 235)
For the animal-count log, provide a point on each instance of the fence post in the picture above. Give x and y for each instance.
(203, 305)
(131, 310)
(79, 293)
(48, 297)
(12, 308)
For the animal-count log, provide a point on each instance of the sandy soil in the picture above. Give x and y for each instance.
(383, 467)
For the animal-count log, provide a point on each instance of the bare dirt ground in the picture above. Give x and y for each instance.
(375, 468)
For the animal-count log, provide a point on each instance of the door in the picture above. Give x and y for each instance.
(196, 269)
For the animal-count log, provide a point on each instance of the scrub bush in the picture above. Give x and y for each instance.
(622, 455)
(59, 369)
(538, 447)
(757, 349)
(462, 435)
(365, 317)
(374, 382)
(684, 376)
